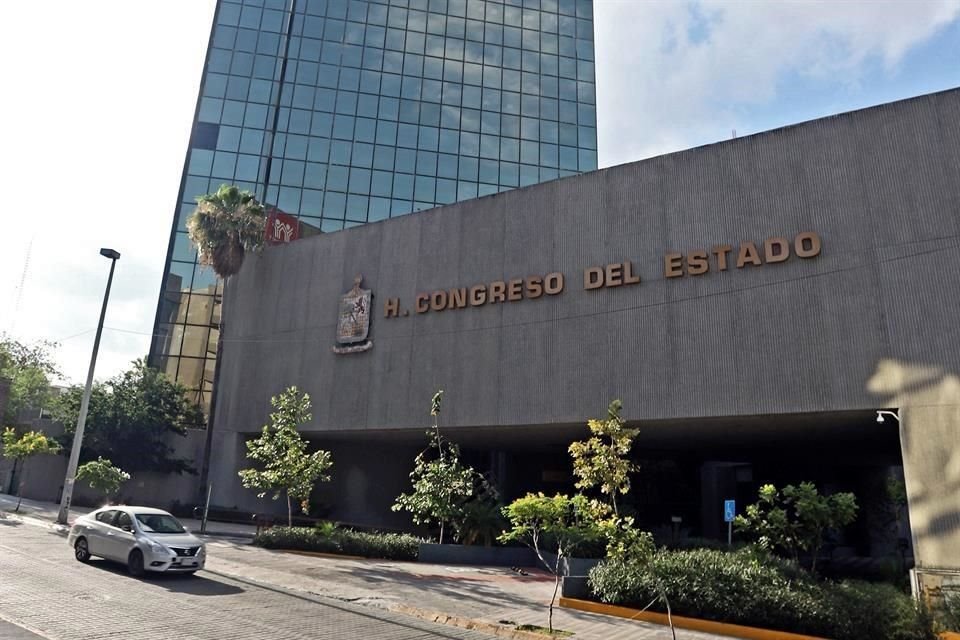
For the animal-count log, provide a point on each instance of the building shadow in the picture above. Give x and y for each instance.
(195, 585)
(463, 589)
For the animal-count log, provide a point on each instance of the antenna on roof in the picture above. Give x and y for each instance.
(733, 134)
(23, 279)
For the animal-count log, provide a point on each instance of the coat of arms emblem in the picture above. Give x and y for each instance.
(353, 320)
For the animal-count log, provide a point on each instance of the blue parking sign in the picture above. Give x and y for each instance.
(729, 510)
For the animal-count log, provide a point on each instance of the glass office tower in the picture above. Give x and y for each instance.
(342, 112)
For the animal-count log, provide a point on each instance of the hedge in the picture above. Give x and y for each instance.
(752, 588)
(389, 546)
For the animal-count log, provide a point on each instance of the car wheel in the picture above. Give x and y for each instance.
(81, 551)
(135, 563)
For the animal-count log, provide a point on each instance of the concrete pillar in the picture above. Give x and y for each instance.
(718, 482)
(228, 455)
(930, 438)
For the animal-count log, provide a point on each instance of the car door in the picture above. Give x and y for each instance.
(120, 537)
(96, 531)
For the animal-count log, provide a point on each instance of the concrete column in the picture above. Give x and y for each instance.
(718, 482)
(228, 455)
(930, 437)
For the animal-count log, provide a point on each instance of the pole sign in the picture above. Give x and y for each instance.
(729, 510)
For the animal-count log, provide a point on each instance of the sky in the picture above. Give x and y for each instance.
(99, 99)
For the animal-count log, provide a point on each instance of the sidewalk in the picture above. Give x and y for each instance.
(49, 510)
(487, 594)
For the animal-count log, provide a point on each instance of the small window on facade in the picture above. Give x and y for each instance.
(205, 135)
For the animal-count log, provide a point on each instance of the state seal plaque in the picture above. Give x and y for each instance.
(353, 320)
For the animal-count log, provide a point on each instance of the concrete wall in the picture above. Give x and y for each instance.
(869, 323)
(45, 474)
(4, 395)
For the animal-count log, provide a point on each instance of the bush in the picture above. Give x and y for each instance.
(693, 542)
(948, 613)
(329, 539)
(752, 588)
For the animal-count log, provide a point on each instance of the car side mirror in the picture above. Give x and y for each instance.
(127, 528)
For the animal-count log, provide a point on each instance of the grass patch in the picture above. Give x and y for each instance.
(557, 633)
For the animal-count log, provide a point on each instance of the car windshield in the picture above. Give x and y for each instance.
(159, 523)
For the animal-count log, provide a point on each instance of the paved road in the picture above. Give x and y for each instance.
(45, 591)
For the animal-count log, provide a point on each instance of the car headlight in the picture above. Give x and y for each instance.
(156, 547)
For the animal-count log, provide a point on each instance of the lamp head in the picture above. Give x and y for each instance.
(879, 417)
(110, 253)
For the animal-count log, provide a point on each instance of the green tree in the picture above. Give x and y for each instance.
(225, 225)
(131, 419)
(796, 519)
(19, 449)
(601, 461)
(287, 467)
(481, 517)
(441, 483)
(103, 476)
(29, 368)
(562, 522)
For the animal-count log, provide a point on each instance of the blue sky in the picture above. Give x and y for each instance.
(93, 156)
(931, 66)
(673, 75)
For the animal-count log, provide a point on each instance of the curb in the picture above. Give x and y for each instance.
(320, 554)
(498, 630)
(693, 624)
(223, 534)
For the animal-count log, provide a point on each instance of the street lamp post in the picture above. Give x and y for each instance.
(82, 418)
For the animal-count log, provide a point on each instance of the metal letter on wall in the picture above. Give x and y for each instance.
(353, 321)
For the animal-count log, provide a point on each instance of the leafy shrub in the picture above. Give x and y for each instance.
(693, 542)
(753, 588)
(948, 613)
(328, 538)
(873, 610)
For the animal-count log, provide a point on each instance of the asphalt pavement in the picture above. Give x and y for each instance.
(324, 588)
(45, 593)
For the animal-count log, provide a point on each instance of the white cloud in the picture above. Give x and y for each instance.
(671, 75)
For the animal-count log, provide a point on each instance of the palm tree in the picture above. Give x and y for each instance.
(224, 226)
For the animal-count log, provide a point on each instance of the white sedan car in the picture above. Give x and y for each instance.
(144, 539)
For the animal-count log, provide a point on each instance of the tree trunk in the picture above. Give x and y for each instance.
(556, 587)
(289, 512)
(670, 617)
(441, 532)
(20, 482)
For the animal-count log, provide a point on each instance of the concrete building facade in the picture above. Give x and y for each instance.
(343, 112)
(757, 299)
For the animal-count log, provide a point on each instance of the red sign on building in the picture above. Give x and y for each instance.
(281, 228)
